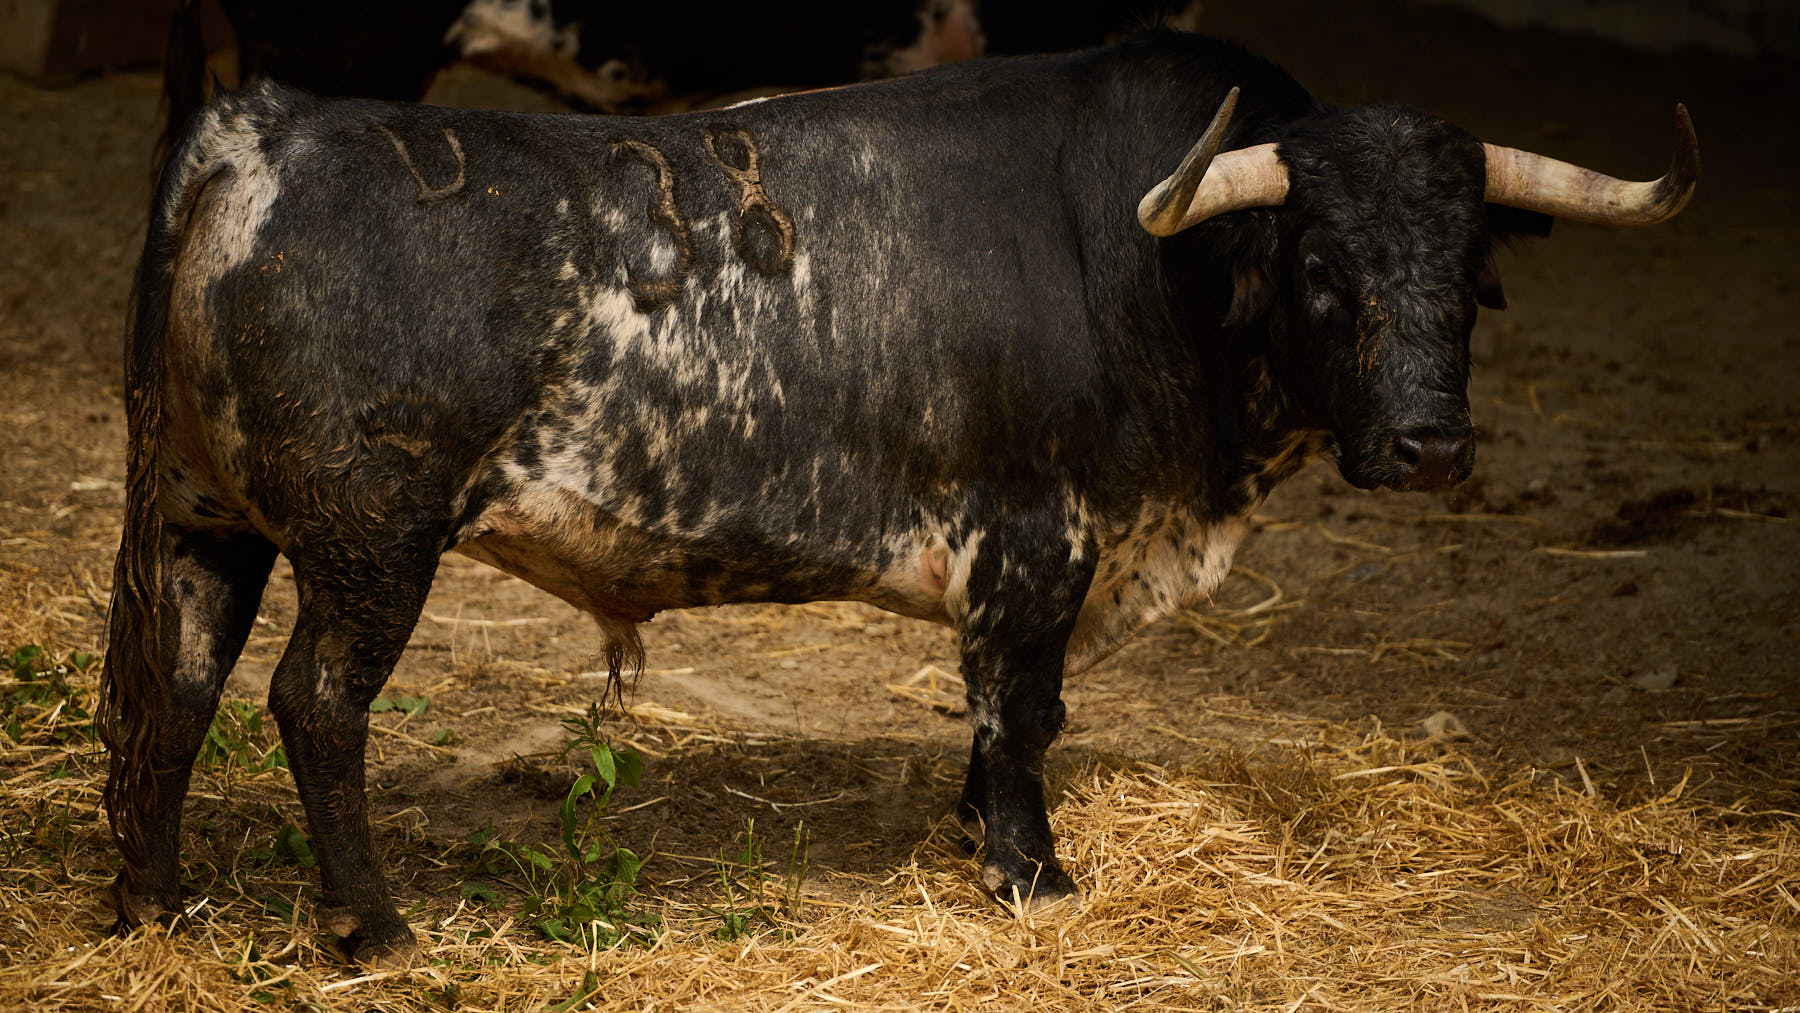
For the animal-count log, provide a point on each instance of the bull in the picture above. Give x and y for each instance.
(957, 345)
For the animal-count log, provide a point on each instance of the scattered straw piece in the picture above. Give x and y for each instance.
(1551, 550)
(935, 688)
(487, 623)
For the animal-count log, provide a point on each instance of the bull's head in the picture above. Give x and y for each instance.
(1374, 268)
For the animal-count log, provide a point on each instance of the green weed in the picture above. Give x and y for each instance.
(40, 704)
(273, 984)
(288, 846)
(588, 992)
(406, 704)
(746, 882)
(581, 892)
(412, 706)
(46, 833)
(238, 740)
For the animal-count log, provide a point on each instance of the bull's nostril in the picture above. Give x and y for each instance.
(1408, 450)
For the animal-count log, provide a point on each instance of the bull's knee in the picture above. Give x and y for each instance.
(1040, 723)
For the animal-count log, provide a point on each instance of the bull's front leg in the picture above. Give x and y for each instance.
(1014, 636)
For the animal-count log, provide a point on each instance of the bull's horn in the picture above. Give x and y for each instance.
(1522, 179)
(1209, 183)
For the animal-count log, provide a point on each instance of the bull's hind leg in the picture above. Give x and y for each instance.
(212, 583)
(356, 613)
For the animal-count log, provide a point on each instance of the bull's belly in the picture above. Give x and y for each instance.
(629, 575)
(623, 574)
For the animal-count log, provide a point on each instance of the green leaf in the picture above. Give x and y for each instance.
(484, 893)
(588, 784)
(631, 766)
(82, 661)
(590, 986)
(380, 705)
(626, 864)
(733, 929)
(583, 785)
(24, 660)
(444, 737)
(291, 842)
(604, 765)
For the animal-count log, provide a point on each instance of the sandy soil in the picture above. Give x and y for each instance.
(1613, 597)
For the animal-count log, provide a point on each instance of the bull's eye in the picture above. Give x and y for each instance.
(1318, 276)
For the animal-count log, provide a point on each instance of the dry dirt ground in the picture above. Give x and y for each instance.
(1613, 599)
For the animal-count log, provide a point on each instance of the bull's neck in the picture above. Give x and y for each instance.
(1260, 438)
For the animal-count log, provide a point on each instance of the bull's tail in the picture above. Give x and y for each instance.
(184, 76)
(134, 693)
(135, 686)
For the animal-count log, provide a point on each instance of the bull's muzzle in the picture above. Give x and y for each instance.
(1420, 460)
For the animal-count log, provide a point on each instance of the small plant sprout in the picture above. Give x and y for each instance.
(744, 874)
(580, 893)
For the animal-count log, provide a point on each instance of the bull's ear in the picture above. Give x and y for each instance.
(1251, 293)
(1505, 224)
(1487, 287)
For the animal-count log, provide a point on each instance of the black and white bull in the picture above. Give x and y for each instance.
(944, 344)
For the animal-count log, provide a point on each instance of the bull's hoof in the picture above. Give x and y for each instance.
(390, 955)
(135, 909)
(378, 947)
(1038, 890)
